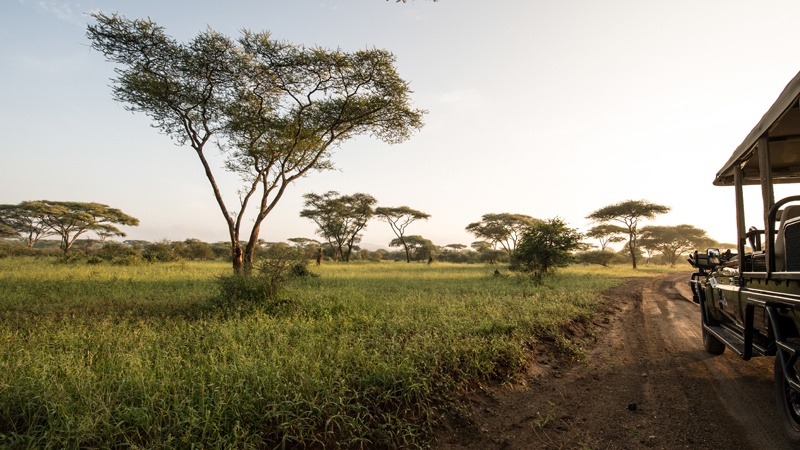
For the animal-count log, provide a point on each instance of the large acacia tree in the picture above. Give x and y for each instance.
(399, 218)
(629, 213)
(275, 110)
(71, 220)
(339, 218)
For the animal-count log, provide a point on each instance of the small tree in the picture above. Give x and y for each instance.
(629, 213)
(545, 246)
(504, 229)
(607, 234)
(418, 246)
(339, 218)
(398, 219)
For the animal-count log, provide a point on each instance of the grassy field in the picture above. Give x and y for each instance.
(363, 355)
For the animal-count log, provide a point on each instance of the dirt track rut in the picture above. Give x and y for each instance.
(647, 383)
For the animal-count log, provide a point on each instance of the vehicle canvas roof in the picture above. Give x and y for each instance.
(781, 125)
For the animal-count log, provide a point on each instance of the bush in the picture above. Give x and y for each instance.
(600, 257)
(117, 253)
(160, 252)
(264, 285)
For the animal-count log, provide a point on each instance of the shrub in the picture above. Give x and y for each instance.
(160, 252)
(118, 253)
(600, 257)
(264, 285)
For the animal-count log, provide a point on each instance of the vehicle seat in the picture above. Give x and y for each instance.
(789, 212)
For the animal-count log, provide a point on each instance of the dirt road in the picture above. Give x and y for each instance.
(647, 383)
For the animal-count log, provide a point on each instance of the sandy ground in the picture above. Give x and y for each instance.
(646, 383)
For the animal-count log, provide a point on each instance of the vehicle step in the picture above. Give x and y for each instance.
(793, 348)
(734, 340)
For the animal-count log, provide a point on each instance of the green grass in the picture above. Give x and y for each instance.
(362, 356)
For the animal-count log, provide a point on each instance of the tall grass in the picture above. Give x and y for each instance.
(110, 356)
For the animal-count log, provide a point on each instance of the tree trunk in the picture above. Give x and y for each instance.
(408, 252)
(237, 258)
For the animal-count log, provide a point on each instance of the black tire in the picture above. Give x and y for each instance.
(712, 345)
(788, 405)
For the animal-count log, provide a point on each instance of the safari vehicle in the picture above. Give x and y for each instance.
(750, 298)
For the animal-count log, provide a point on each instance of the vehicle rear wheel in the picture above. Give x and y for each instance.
(710, 342)
(788, 405)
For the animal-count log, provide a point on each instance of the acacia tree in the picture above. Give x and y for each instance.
(418, 246)
(673, 241)
(504, 229)
(606, 234)
(24, 221)
(629, 213)
(399, 218)
(276, 110)
(73, 219)
(339, 218)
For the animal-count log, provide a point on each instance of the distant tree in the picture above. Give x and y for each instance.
(197, 249)
(71, 220)
(419, 247)
(302, 242)
(601, 257)
(276, 110)
(455, 247)
(607, 234)
(674, 241)
(629, 213)
(398, 219)
(339, 218)
(24, 221)
(546, 245)
(504, 229)
(487, 252)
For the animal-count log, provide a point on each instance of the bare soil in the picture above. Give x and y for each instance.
(645, 382)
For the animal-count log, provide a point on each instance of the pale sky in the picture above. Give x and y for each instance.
(545, 108)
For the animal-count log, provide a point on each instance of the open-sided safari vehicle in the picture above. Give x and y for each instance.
(750, 300)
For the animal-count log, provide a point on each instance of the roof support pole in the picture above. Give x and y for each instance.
(741, 233)
(768, 197)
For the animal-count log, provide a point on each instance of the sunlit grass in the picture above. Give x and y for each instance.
(102, 356)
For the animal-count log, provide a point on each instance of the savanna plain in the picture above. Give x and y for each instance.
(369, 355)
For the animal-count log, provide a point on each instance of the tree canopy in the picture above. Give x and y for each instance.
(275, 110)
(504, 229)
(339, 218)
(398, 219)
(546, 245)
(629, 213)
